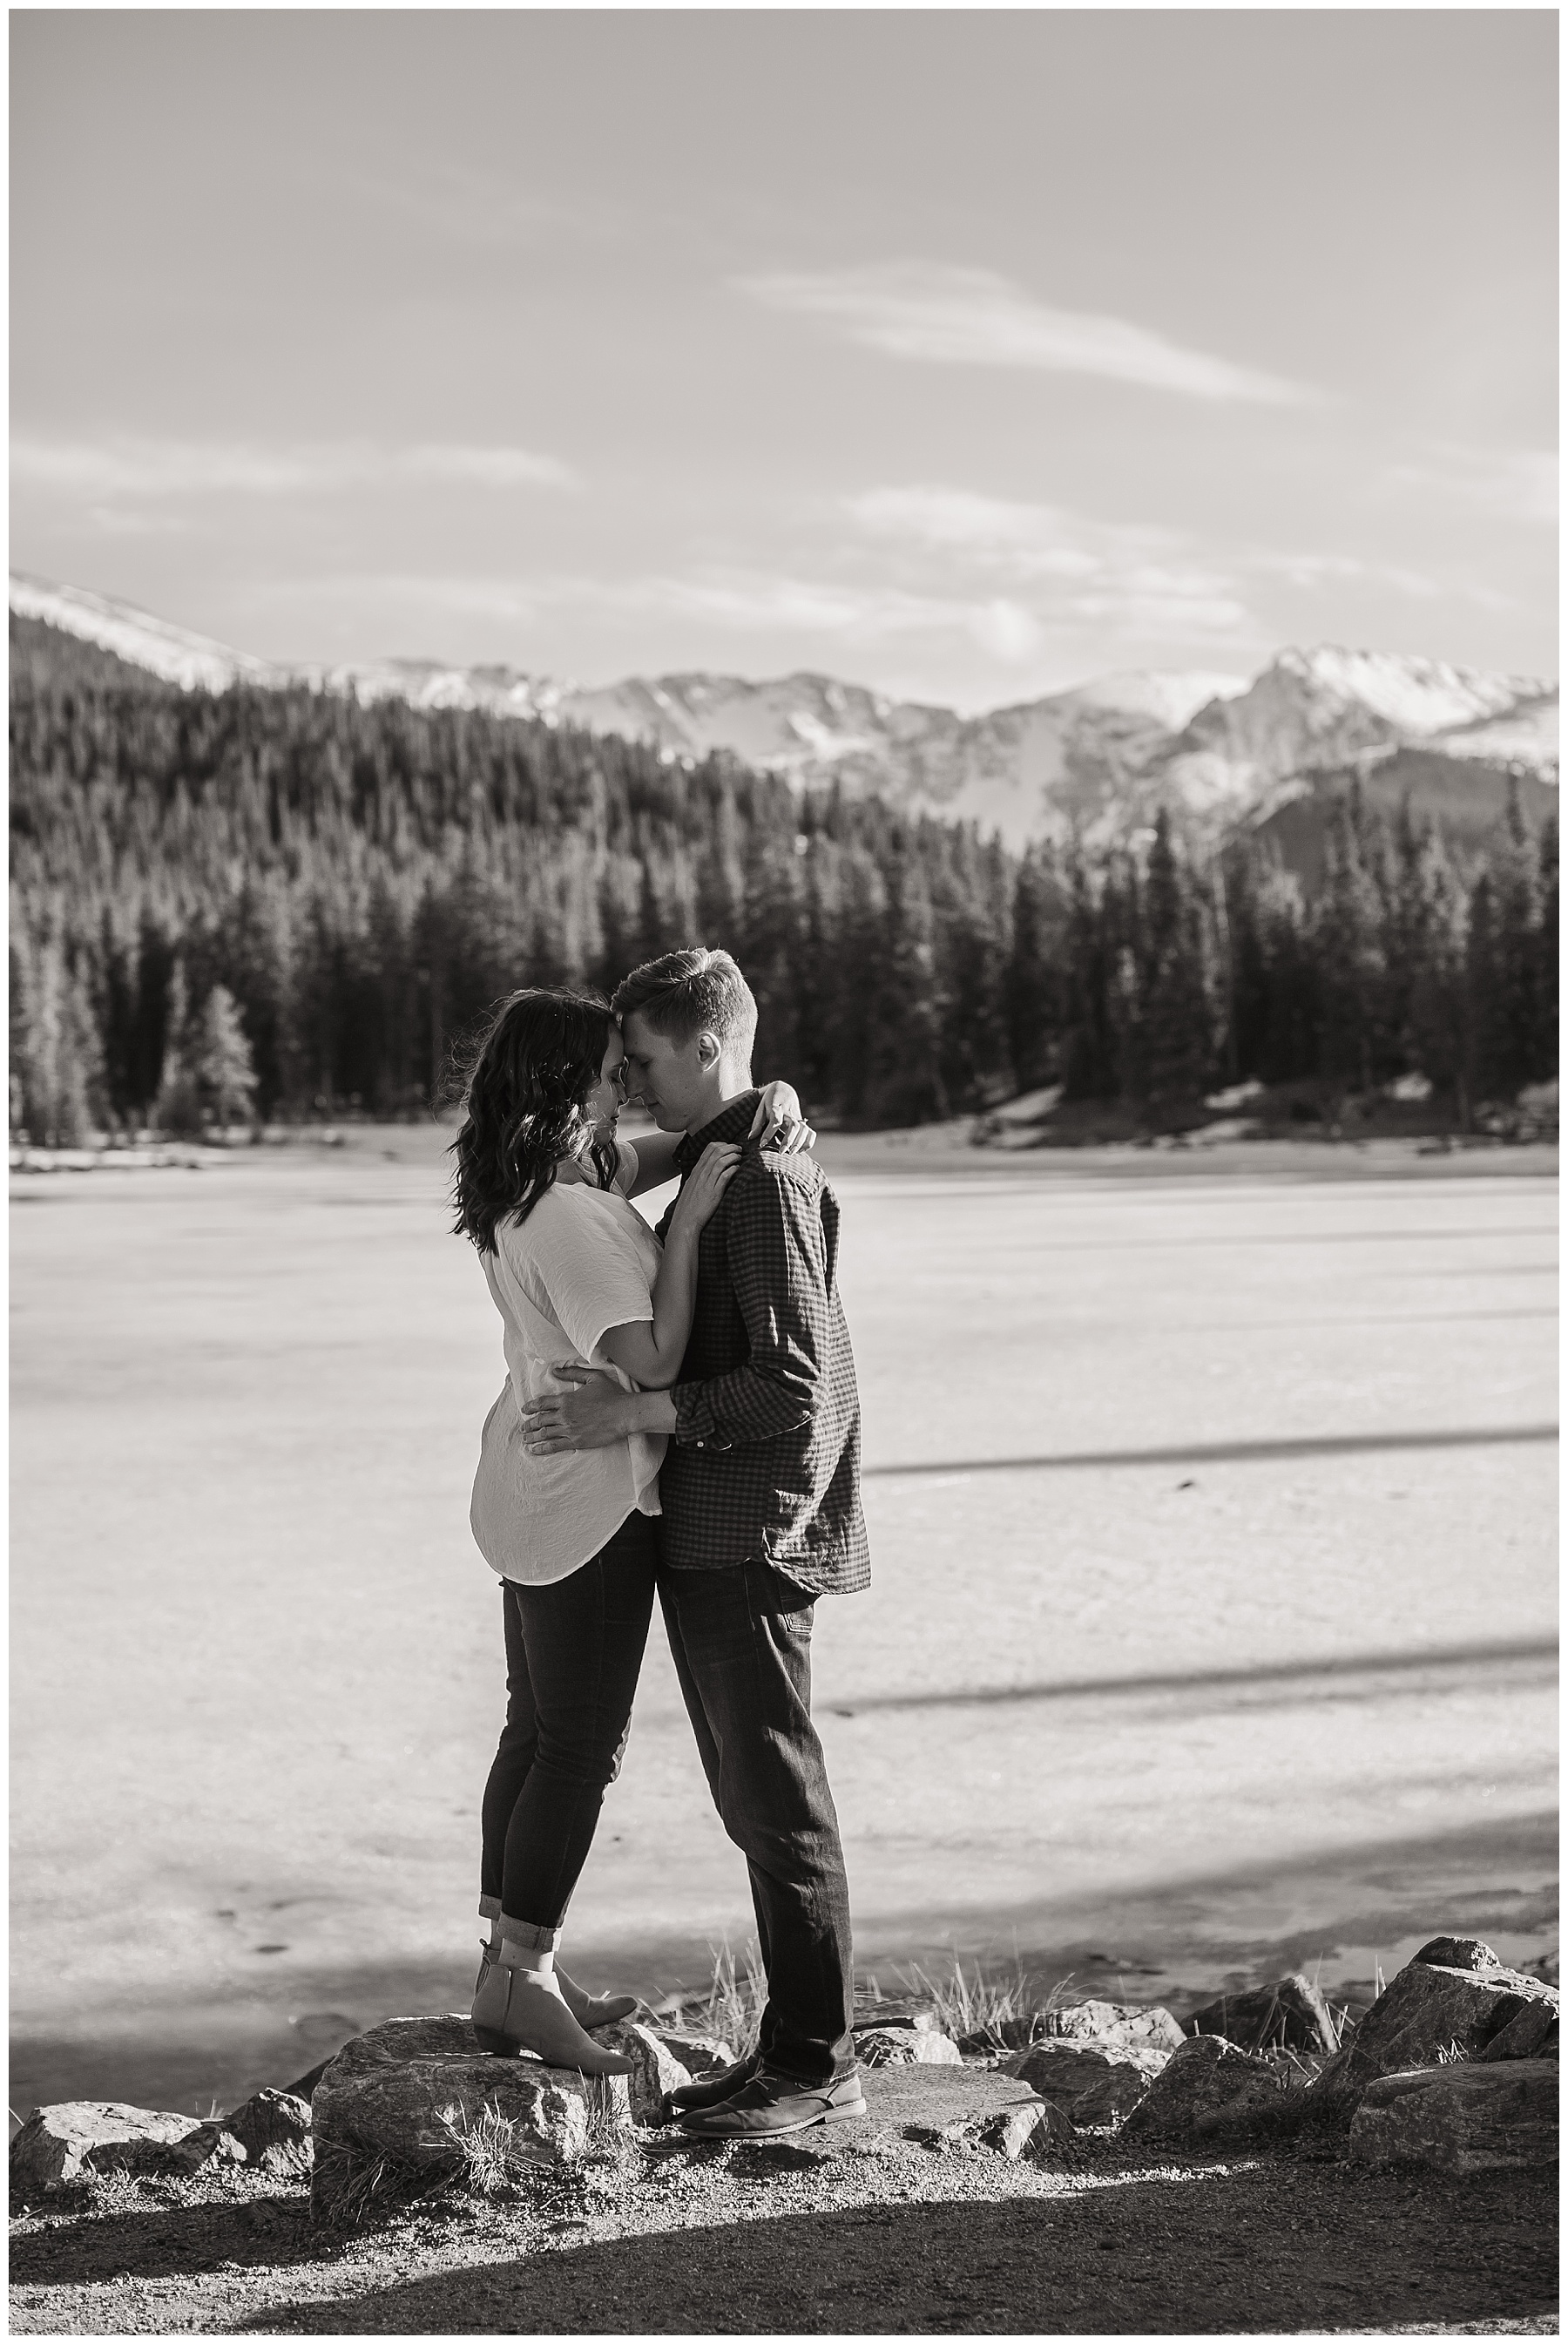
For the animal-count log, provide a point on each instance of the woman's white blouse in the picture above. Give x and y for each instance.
(584, 1261)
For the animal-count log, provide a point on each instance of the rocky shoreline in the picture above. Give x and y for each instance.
(1447, 2081)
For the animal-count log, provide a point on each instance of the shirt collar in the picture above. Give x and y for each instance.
(731, 1122)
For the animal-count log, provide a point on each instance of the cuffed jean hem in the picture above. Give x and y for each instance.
(529, 1935)
(489, 1908)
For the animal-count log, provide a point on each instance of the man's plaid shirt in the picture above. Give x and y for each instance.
(766, 1459)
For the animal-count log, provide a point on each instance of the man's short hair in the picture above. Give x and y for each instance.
(687, 993)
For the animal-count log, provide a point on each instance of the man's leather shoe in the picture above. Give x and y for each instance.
(709, 2090)
(771, 2105)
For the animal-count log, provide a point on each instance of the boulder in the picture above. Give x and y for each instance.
(442, 2037)
(1092, 2083)
(1032, 2131)
(211, 2144)
(1427, 2014)
(273, 2128)
(1207, 2090)
(402, 2096)
(1532, 2036)
(924, 2017)
(1474, 2116)
(1145, 2026)
(1291, 2013)
(70, 2137)
(897, 2047)
(1456, 1954)
(699, 2054)
(656, 2069)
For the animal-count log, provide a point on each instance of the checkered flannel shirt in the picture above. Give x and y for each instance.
(766, 1460)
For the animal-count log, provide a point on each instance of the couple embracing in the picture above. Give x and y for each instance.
(680, 1417)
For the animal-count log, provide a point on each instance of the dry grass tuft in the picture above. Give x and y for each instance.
(978, 2002)
(348, 2191)
(733, 2005)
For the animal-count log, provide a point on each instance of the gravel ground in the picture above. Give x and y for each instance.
(842, 2233)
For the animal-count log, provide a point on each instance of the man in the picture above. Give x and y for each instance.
(761, 1489)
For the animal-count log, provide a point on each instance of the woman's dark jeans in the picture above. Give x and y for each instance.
(573, 1652)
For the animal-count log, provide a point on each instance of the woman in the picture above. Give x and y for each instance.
(542, 1188)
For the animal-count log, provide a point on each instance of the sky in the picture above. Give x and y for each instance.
(967, 355)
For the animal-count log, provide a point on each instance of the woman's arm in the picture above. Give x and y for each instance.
(779, 1121)
(650, 1352)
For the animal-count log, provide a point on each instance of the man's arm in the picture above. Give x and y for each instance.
(777, 1260)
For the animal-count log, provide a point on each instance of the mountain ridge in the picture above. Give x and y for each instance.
(1096, 759)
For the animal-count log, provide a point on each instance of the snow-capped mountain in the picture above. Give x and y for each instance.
(1329, 709)
(1098, 761)
(193, 662)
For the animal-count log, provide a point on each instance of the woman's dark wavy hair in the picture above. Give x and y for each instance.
(529, 1078)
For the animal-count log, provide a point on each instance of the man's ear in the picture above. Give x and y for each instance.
(708, 1051)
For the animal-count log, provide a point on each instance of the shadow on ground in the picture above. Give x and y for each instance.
(187, 2241)
(1261, 2250)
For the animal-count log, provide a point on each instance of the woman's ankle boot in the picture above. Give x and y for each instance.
(516, 2010)
(589, 2010)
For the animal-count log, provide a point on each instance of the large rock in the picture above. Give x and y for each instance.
(1291, 2013)
(273, 2128)
(915, 2012)
(403, 2095)
(70, 2137)
(699, 2054)
(1456, 1954)
(1092, 2083)
(1532, 2036)
(1207, 2090)
(1471, 2118)
(897, 2047)
(1424, 2015)
(656, 2069)
(1031, 2131)
(1147, 2026)
(1143, 2026)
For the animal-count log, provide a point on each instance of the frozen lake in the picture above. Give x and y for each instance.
(1212, 1522)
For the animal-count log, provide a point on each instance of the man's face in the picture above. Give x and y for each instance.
(667, 1077)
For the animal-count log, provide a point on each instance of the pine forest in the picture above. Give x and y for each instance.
(284, 903)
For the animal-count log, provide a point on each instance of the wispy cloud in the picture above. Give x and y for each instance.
(973, 317)
(1321, 572)
(404, 595)
(1072, 570)
(756, 602)
(1518, 484)
(134, 470)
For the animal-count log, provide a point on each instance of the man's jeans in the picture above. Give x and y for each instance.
(741, 1638)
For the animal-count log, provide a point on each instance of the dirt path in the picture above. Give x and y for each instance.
(838, 2238)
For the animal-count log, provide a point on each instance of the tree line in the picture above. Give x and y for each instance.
(286, 904)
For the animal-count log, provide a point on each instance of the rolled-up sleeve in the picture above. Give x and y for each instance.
(776, 1254)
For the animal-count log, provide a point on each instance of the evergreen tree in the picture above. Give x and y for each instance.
(219, 1060)
(1351, 967)
(906, 1082)
(1033, 993)
(1513, 1026)
(1175, 1014)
